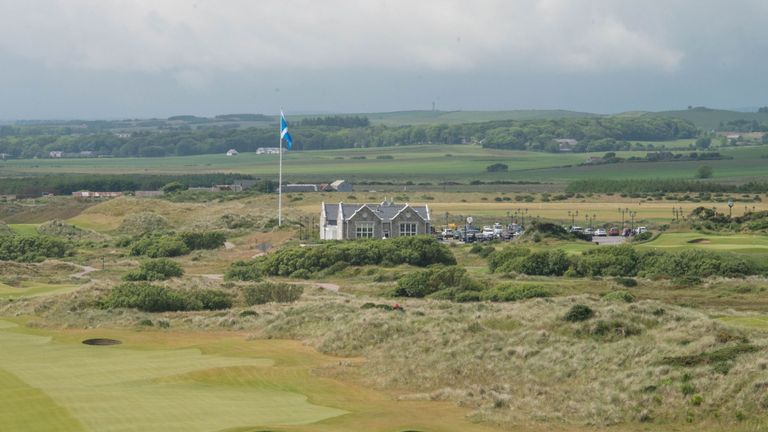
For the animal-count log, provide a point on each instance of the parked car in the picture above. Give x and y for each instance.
(600, 232)
(589, 231)
(488, 233)
(576, 229)
(614, 231)
(447, 233)
(641, 230)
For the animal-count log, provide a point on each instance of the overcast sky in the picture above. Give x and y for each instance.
(141, 58)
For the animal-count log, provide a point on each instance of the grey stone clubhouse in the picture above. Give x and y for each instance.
(344, 221)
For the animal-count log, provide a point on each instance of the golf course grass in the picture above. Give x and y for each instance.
(737, 243)
(34, 289)
(189, 381)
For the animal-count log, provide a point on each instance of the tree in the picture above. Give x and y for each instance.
(703, 143)
(704, 172)
(173, 187)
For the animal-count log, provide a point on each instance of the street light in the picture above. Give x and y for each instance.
(623, 211)
(730, 208)
(573, 215)
(632, 215)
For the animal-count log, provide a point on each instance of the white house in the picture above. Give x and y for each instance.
(232, 152)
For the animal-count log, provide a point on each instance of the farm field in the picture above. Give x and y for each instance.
(427, 163)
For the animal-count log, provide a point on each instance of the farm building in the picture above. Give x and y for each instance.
(232, 152)
(268, 150)
(95, 195)
(299, 187)
(350, 221)
(341, 186)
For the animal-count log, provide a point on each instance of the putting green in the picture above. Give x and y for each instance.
(49, 385)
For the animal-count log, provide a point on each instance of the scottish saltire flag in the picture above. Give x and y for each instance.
(284, 135)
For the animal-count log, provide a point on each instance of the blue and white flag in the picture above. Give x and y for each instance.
(284, 135)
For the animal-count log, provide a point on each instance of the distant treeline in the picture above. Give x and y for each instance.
(593, 134)
(66, 184)
(337, 121)
(661, 186)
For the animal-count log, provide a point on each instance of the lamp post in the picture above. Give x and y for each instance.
(623, 211)
(632, 215)
(573, 215)
(730, 208)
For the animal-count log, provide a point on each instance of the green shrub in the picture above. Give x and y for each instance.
(516, 259)
(426, 282)
(512, 292)
(210, 299)
(269, 292)
(619, 296)
(159, 247)
(579, 312)
(614, 329)
(203, 240)
(32, 248)
(301, 274)
(156, 269)
(244, 271)
(146, 297)
(418, 251)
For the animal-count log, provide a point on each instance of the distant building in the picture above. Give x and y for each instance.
(56, 154)
(123, 134)
(245, 183)
(352, 221)
(149, 194)
(341, 186)
(232, 152)
(299, 187)
(95, 195)
(566, 145)
(87, 153)
(268, 150)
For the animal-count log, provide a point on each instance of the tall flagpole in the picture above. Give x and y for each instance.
(280, 181)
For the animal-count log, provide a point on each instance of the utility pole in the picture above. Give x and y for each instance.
(623, 211)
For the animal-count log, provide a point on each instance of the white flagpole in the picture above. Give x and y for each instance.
(280, 181)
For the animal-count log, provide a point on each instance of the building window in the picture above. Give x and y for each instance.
(408, 229)
(364, 230)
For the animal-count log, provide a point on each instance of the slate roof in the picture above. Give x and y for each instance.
(385, 211)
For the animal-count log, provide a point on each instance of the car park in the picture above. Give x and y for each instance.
(614, 231)
(600, 232)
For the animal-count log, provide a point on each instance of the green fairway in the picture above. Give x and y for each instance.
(738, 243)
(25, 229)
(123, 388)
(423, 163)
(34, 289)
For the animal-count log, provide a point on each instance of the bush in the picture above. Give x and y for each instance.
(517, 259)
(33, 248)
(579, 312)
(620, 296)
(146, 297)
(203, 240)
(268, 292)
(497, 167)
(212, 299)
(426, 282)
(157, 269)
(159, 247)
(418, 251)
(244, 271)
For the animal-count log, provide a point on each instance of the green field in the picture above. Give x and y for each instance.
(738, 243)
(24, 229)
(34, 289)
(426, 163)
